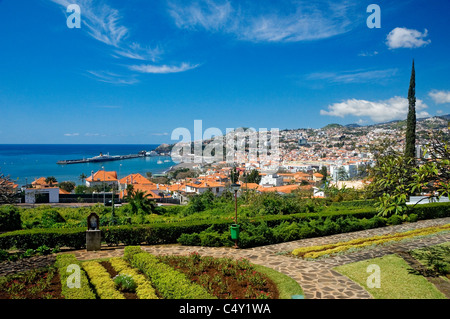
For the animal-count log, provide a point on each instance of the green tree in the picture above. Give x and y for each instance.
(253, 177)
(82, 177)
(68, 186)
(395, 179)
(342, 174)
(410, 147)
(324, 172)
(7, 193)
(140, 203)
(50, 180)
(234, 175)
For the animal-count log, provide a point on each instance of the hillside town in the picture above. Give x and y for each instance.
(338, 155)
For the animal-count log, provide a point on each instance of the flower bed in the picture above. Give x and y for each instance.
(170, 283)
(330, 249)
(43, 283)
(224, 278)
(140, 275)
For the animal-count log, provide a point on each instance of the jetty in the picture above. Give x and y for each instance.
(103, 158)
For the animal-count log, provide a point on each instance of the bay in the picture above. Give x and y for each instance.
(26, 162)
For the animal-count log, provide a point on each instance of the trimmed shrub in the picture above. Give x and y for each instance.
(144, 289)
(259, 230)
(394, 220)
(101, 280)
(51, 217)
(84, 292)
(34, 238)
(10, 218)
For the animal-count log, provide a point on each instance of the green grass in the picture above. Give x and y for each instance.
(287, 287)
(396, 280)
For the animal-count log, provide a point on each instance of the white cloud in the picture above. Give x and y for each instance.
(354, 76)
(365, 53)
(440, 97)
(204, 13)
(395, 108)
(162, 69)
(160, 134)
(72, 134)
(406, 38)
(302, 20)
(103, 23)
(113, 78)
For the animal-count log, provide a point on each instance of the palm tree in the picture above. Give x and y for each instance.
(82, 177)
(140, 202)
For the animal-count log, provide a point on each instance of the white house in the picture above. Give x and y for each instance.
(271, 179)
(42, 195)
(200, 187)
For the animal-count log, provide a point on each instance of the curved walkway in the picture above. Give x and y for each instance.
(317, 278)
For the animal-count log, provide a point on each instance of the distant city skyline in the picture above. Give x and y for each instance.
(137, 70)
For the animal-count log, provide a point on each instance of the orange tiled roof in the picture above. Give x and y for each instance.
(135, 179)
(205, 184)
(103, 176)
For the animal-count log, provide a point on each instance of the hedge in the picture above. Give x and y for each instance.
(170, 283)
(10, 218)
(168, 233)
(85, 291)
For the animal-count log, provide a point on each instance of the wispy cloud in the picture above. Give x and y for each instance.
(71, 134)
(162, 69)
(365, 53)
(406, 38)
(395, 108)
(104, 24)
(353, 76)
(113, 78)
(440, 97)
(303, 20)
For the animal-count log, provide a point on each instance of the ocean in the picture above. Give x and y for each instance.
(24, 163)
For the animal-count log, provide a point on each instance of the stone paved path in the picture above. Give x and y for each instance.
(317, 278)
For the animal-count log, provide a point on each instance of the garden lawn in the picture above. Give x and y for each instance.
(397, 282)
(287, 287)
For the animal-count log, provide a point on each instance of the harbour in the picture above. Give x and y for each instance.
(104, 158)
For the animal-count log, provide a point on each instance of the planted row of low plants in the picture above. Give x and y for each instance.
(141, 275)
(40, 251)
(68, 265)
(336, 248)
(41, 283)
(257, 231)
(224, 278)
(170, 283)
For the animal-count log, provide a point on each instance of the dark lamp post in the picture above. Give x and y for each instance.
(235, 187)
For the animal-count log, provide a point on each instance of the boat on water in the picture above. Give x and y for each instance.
(102, 158)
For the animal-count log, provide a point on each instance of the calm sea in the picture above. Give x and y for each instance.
(25, 163)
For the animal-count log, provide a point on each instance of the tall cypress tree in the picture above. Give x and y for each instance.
(410, 148)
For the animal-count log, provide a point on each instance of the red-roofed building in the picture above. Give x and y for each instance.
(107, 177)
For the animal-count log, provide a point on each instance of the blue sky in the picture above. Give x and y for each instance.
(136, 70)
